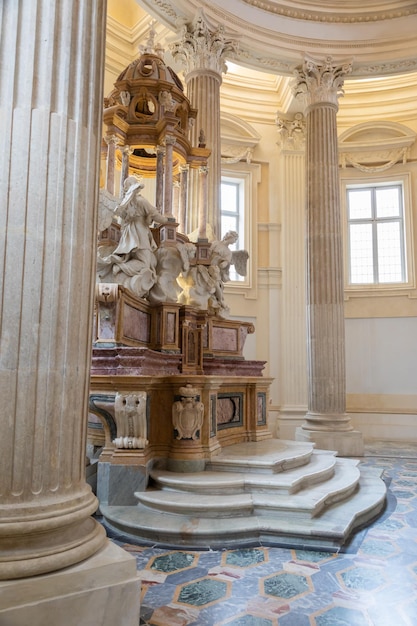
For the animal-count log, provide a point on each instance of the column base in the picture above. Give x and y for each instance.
(346, 443)
(103, 589)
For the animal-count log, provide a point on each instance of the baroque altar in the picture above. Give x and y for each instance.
(170, 386)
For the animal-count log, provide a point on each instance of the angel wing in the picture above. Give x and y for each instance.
(240, 260)
(107, 204)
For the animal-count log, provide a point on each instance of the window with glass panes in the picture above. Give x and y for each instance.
(376, 234)
(232, 204)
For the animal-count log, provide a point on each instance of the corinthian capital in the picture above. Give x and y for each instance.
(320, 81)
(292, 131)
(201, 48)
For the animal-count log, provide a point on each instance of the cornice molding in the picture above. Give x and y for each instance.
(276, 34)
(331, 12)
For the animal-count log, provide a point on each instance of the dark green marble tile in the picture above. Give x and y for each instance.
(202, 592)
(341, 616)
(173, 561)
(245, 557)
(250, 620)
(362, 578)
(285, 585)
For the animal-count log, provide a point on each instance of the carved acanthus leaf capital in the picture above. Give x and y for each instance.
(320, 81)
(292, 131)
(203, 49)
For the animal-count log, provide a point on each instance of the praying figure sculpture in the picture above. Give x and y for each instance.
(188, 413)
(130, 416)
(133, 262)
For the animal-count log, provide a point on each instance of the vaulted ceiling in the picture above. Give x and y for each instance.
(379, 38)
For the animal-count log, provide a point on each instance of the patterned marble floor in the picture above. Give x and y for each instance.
(370, 582)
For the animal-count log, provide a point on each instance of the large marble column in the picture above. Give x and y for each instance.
(319, 84)
(50, 116)
(202, 52)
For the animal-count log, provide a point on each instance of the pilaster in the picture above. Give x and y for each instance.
(292, 135)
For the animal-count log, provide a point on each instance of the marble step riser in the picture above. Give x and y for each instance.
(180, 538)
(277, 468)
(249, 487)
(255, 507)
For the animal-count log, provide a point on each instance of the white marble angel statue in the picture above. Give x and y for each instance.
(132, 263)
(222, 258)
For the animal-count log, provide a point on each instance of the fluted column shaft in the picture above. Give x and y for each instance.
(126, 152)
(183, 197)
(325, 305)
(169, 156)
(320, 83)
(203, 91)
(50, 112)
(202, 52)
(160, 154)
(112, 141)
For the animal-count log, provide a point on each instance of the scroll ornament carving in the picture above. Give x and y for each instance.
(188, 413)
(202, 49)
(107, 292)
(320, 81)
(130, 416)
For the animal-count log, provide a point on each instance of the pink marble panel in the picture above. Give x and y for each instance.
(225, 339)
(136, 324)
(170, 328)
(229, 410)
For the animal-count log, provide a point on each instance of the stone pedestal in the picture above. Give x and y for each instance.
(102, 590)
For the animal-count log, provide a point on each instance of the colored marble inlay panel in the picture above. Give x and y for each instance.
(229, 410)
(213, 416)
(261, 409)
(171, 326)
(250, 620)
(286, 585)
(245, 557)
(136, 324)
(225, 339)
(173, 562)
(363, 578)
(203, 592)
(340, 616)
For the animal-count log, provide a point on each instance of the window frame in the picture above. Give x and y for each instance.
(248, 175)
(380, 180)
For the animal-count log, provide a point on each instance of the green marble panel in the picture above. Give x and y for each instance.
(286, 585)
(173, 562)
(203, 592)
(245, 557)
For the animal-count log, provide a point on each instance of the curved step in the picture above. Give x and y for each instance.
(308, 503)
(270, 456)
(328, 531)
(194, 504)
(321, 467)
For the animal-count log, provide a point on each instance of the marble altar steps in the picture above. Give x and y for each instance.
(272, 491)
